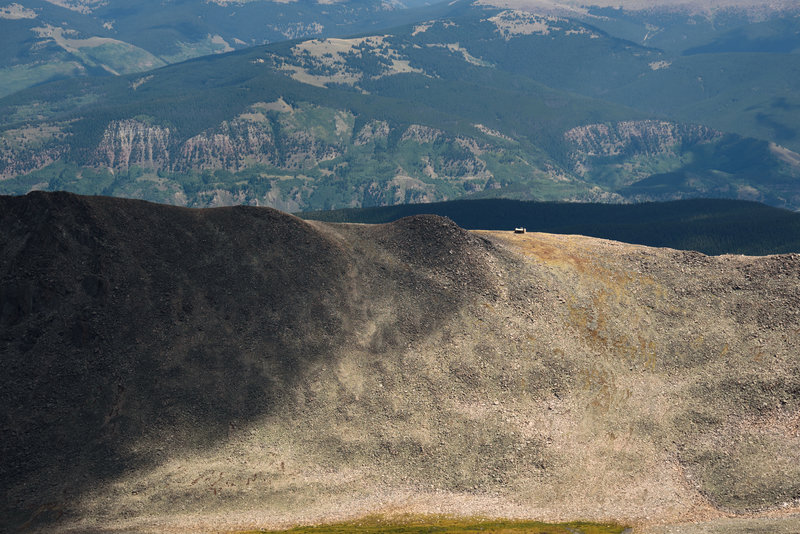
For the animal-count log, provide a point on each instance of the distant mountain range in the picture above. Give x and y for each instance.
(557, 103)
(42, 40)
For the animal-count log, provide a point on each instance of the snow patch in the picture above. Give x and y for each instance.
(139, 81)
(785, 155)
(421, 28)
(81, 6)
(219, 41)
(16, 12)
(456, 48)
(322, 61)
(298, 30)
(225, 3)
(513, 23)
(658, 65)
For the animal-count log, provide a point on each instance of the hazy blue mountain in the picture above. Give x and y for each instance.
(42, 40)
(477, 102)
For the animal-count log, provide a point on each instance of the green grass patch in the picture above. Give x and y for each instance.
(440, 524)
(19, 77)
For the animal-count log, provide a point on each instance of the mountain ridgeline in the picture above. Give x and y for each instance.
(708, 226)
(57, 39)
(477, 102)
(183, 370)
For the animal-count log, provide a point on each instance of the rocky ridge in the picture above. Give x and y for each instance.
(307, 143)
(628, 141)
(198, 370)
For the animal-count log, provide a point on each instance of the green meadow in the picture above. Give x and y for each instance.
(445, 525)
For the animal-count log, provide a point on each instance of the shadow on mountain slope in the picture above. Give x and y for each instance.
(206, 370)
(125, 321)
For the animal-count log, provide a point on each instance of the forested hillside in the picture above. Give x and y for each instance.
(45, 40)
(481, 102)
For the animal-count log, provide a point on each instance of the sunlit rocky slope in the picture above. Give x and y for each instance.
(195, 370)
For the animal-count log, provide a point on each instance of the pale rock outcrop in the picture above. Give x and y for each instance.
(632, 138)
(422, 134)
(230, 146)
(371, 131)
(649, 136)
(133, 142)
